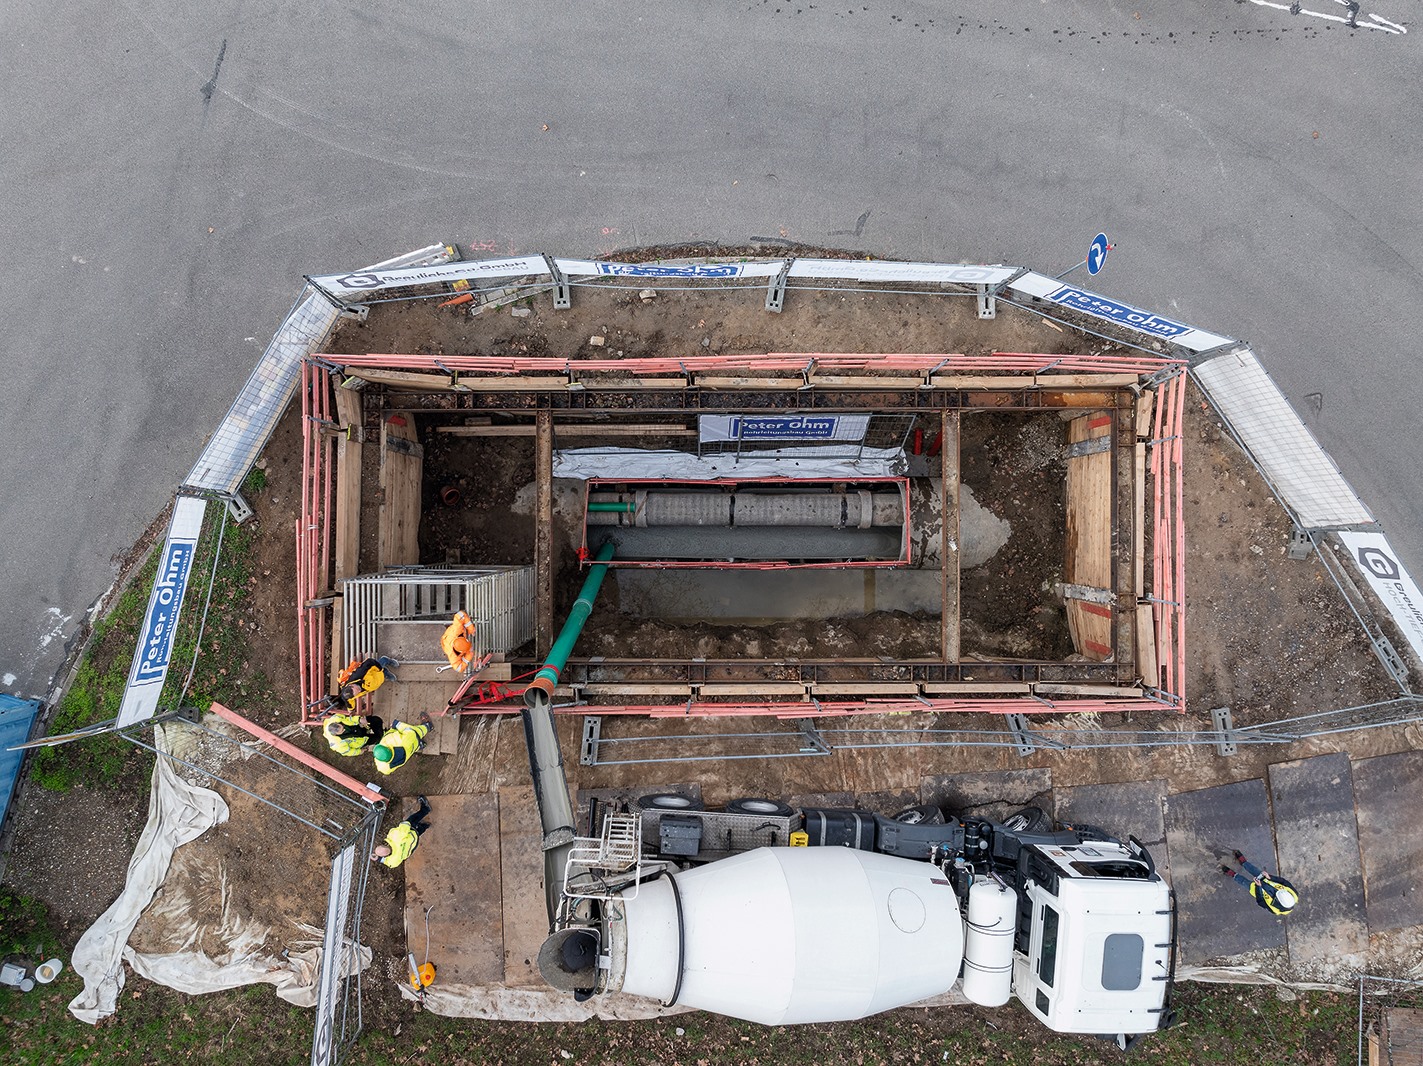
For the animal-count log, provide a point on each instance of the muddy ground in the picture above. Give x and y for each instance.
(1267, 635)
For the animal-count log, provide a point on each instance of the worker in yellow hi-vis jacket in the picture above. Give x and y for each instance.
(403, 839)
(401, 741)
(348, 734)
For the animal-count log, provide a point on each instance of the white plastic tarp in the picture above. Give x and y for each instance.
(584, 463)
(177, 813)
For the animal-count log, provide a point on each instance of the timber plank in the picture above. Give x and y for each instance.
(525, 914)
(401, 463)
(456, 872)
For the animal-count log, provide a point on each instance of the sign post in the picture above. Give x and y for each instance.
(1096, 257)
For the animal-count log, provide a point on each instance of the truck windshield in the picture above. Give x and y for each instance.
(1047, 950)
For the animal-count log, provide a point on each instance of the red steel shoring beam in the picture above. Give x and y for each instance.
(1179, 587)
(795, 361)
(307, 759)
(823, 709)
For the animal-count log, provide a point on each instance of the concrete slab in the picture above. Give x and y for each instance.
(521, 868)
(1132, 808)
(1318, 843)
(1217, 917)
(1388, 793)
(411, 642)
(455, 871)
(994, 793)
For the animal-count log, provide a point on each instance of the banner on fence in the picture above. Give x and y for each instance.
(1380, 565)
(782, 427)
(324, 1044)
(356, 286)
(155, 639)
(1134, 318)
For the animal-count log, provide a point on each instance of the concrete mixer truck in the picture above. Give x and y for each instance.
(782, 916)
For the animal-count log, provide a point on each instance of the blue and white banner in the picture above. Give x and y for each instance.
(155, 639)
(782, 427)
(1089, 303)
(1381, 567)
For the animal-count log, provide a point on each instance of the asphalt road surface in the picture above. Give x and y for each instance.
(169, 170)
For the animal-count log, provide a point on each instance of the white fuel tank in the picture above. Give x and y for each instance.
(988, 944)
(786, 935)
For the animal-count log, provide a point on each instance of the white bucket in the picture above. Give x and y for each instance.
(46, 972)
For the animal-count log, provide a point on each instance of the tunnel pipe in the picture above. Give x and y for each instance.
(615, 508)
(545, 759)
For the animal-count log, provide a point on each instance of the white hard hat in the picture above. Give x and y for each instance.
(1285, 898)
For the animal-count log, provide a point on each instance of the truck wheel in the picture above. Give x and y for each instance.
(756, 805)
(668, 801)
(1028, 820)
(923, 814)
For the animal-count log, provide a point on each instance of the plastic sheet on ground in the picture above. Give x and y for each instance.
(497, 1003)
(622, 463)
(204, 953)
(177, 813)
(1249, 975)
(294, 974)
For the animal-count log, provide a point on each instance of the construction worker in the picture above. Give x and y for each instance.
(363, 676)
(401, 741)
(403, 839)
(1273, 893)
(348, 734)
(458, 643)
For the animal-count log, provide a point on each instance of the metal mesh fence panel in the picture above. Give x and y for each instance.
(1278, 441)
(249, 423)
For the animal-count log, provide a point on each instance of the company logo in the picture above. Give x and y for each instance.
(1099, 307)
(168, 588)
(648, 270)
(1379, 564)
(360, 281)
(745, 427)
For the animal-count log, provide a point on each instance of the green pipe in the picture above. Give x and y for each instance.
(572, 627)
(545, 760)
(615, 508)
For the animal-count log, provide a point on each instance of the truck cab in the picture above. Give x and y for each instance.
(1092, 952)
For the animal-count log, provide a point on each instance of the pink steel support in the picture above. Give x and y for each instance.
(304, 757)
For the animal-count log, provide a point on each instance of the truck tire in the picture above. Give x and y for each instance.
(758, 805)
(668, 801)
(1028, 820)
(922, 814)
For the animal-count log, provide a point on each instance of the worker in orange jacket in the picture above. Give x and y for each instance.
(458, 645)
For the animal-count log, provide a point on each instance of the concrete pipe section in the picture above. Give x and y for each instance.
(858, 509)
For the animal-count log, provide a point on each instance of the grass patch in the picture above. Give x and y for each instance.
(222, 673)
(1221, 1023)
(96, 694)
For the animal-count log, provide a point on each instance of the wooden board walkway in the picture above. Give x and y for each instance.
(455, 871)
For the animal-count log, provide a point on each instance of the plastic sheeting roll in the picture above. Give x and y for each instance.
(988, 944)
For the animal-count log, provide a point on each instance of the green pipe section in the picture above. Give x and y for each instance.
(615, 508)
(540, 735)
(573, 627)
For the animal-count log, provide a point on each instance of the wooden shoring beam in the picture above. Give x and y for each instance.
(949, 426)
(543, 530)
